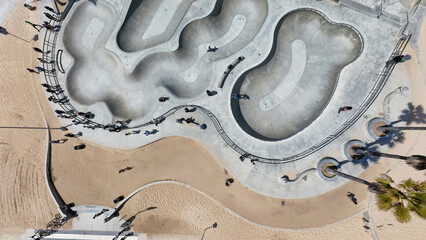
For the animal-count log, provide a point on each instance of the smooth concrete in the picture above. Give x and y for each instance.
(285, 100)
(117, 84)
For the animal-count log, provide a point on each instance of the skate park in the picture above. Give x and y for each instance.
(259, 84)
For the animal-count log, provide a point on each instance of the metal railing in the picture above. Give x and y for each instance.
(50, 75)
(371, 97)
(52, 79)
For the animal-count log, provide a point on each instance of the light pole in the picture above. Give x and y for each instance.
(63, 128)
(212, 226)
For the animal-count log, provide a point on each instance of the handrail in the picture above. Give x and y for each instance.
(51, 78)
(59, 61)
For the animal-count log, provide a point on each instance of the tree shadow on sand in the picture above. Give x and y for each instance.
(412, 114)
(389, 140)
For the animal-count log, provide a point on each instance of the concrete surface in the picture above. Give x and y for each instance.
(118, 65)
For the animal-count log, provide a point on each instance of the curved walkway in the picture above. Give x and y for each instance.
(62, 206)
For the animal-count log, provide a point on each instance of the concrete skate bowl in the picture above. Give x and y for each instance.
(181, 74)
(291, 88)
(232, 23)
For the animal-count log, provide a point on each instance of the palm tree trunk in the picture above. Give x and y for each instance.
(347, 176)
(379, 154)
(372, 187)
(383, 129)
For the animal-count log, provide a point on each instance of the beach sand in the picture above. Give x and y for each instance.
(91, 176)
(24, 198)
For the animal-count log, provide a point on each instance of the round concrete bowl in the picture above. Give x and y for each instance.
(291, 88)
(136, 32)
(326, 162)
(375, 123)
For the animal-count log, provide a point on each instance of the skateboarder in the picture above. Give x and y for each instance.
(344, 109)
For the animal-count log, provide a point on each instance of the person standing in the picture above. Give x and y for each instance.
(32, 71)
(399, 59)
(41, 51)
(51, 10)
(29, 7)
(40, 69)
(51, 17)
(41, 60)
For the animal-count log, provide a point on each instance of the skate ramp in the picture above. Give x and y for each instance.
(291, 88)
(98, 75)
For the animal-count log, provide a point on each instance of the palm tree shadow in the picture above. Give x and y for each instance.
(389, 140)
(367, 160)
(412, 115)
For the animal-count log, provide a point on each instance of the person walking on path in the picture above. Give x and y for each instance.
(41, 51)
(351, 197)
(41, 60)
(209, 93)
(29, 7)
(399, 59)
(32, 71)
(344, 109)
(36, 26)
(236, 96)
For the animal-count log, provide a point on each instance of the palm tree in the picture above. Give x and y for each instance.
(388, 128)
(372, 186)
(416, 161)
(407, 196)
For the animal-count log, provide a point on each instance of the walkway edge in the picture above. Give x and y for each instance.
(121, 205)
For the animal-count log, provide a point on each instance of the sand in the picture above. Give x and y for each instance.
(91, 176)
(24, 199)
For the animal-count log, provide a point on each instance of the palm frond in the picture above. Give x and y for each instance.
(421, 212)
(407, 184)
(395, 194)
(384, 202)
(401, 214)
(418, 162)
(383, 182)
(420, 186)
